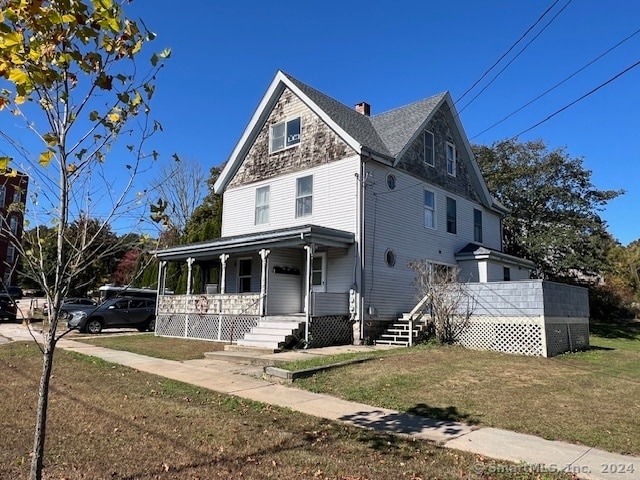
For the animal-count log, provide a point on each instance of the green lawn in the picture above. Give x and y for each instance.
(159, 347)
(107, 421)
(589, 397)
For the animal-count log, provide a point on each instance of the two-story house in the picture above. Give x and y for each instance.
(324, 207)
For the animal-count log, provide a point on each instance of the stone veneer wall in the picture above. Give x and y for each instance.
(228, 304)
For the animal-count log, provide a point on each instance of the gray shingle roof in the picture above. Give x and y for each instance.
(396, 127)
(386, 133)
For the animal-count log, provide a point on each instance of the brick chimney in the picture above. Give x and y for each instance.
(364, 108)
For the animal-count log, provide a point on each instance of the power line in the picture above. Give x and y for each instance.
(508, 51)
(558, 84)
(516, 56)
(578, 99)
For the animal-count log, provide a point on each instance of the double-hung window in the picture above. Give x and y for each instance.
(262, 205)
(304, 196)
(428, 148)
(13, 225)
(3, 192)
(17, 196)
(452, 215)
(477, 225)
(451, 159)
(11, 254)
(429, 209)
(284, 135)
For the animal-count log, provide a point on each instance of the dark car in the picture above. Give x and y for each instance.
(15, 292)
(125, 312)
(8, 308)
(72, 304)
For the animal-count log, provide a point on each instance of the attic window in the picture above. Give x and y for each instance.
(284, 135)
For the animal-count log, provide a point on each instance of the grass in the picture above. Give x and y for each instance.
(589, 398)
(107, 421)
(158, 347)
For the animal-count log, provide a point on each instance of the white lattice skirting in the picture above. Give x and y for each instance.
(526, 335)
(221, 328)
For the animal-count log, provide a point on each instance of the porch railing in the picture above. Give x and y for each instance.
(210, 304)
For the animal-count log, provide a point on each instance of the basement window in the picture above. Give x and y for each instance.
(284, 135)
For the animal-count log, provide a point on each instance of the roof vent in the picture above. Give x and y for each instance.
(364, 108)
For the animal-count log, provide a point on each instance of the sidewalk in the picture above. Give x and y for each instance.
(223, 376)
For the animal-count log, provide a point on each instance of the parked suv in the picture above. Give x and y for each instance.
(8, 308)
(124, 312)
(72, 304)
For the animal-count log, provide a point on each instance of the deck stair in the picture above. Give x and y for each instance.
(398, 333)
(273, 332)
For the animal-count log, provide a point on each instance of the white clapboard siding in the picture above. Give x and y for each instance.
(394, 220)
(334, 201)
(284, 294)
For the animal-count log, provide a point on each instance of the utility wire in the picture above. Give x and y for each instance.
(508, 51)
(516, 56)
(577, 100)
(558, 84)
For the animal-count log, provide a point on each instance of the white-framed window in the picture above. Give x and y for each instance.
(451, 159)
(262, 205)
(429, 149)
(304, 196)
(429, 209)
(477, 225)
(244, 275)
(452, 216)
(7, 278)
(284, 135)
(13, 225)
(11, 254)
(3, 194)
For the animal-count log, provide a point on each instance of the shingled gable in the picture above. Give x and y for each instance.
(383, 137)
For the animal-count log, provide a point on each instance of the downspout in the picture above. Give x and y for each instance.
(361, 253)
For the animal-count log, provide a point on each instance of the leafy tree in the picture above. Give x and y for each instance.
(206, 221)
(71, 76)
(554, 208)
(125, 271)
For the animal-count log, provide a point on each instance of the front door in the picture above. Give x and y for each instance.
(319, 272)
(318, 276)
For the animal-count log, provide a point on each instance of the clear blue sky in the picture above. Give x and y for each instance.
(393, 53)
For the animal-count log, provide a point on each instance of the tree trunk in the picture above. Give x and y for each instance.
(41, 416)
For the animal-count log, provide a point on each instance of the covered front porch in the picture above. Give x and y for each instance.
(250, 282)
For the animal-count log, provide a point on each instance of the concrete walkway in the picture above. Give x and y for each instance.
(241, 380)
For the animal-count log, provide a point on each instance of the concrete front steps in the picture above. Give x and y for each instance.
(398, 333)
(273, 332)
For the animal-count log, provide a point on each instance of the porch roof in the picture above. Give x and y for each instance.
(473, 251)
(288, 237)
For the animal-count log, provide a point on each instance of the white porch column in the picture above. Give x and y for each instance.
(190, 261)
(223, 272)
(162, 277)
(264, 253)
(309, 287)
